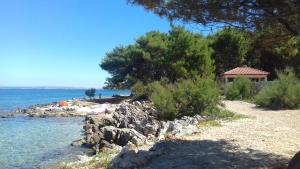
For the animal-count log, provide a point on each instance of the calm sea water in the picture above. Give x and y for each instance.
(22, 98)
(27, 143)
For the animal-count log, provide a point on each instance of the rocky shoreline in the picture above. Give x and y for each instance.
(132, 126)
(128, 133)
(125, 133)
(72, 108)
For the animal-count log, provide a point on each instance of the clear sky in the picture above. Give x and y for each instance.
(62, 42)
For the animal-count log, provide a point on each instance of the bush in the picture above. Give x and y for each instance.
(185, 98)
(140, 90)
(163, 99)
(90, 92)
(196, 96)
(239, 89)
(144, 91)
(282, 93)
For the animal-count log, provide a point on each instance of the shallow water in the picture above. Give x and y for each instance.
(37, 142)
(27, 143)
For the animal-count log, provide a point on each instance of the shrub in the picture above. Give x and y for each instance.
(282, 93)
(143, 91)
(185, 98)
(140, 90)
(163, 99)
(240, 88)
(196, 96)
(90, 92)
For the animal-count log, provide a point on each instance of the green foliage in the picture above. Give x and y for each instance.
(143, 91)
(185, 98)
(140, 90)
(124, 64)
(163, 99)
(291, 48)
(102, 160)
(209, 123)
(180, 54)
(251, 15)
(282, 93)
(173, 55)
(240, 88)
(224, 115)
(189, 55)
(231, 47)
(196, 96)
(220, 115)
(90, 92)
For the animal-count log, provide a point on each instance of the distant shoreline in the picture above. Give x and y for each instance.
(47, 87)
(51, 108)
(14, 99)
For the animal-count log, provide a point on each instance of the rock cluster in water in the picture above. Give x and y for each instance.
(133, 124)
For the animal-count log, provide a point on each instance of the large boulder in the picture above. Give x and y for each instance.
(295, 162)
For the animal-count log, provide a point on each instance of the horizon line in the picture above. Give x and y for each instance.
(48, 87)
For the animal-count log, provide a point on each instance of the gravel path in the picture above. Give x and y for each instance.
(268, 139)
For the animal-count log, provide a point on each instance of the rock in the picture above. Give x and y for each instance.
(106, 146)
(130, 159)
(125, 160)
(132, 124)
(137, 103)
(127, 123)
(7, 115)
(151, 129)
(78, 142)
(83, 158)
(72, 108)
(109, 133)
(295, 162)
(125, 135)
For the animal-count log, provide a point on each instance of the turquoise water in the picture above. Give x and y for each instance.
(27, 143)
(31, 143)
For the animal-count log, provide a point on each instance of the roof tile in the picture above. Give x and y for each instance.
(245, 71)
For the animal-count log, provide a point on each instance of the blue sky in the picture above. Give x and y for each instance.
(62, 42)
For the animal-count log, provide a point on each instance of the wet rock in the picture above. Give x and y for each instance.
(78, 142)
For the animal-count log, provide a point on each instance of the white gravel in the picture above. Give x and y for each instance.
(267, 139)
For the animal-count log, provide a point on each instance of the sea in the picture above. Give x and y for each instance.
(26, 142)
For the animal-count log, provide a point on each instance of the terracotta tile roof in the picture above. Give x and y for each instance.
(245, 71)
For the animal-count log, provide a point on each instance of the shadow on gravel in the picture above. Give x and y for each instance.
(204, 154)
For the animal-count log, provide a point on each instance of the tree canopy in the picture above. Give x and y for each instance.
(231, 48)
(178, 54)
(90, 92)
(281, 15)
